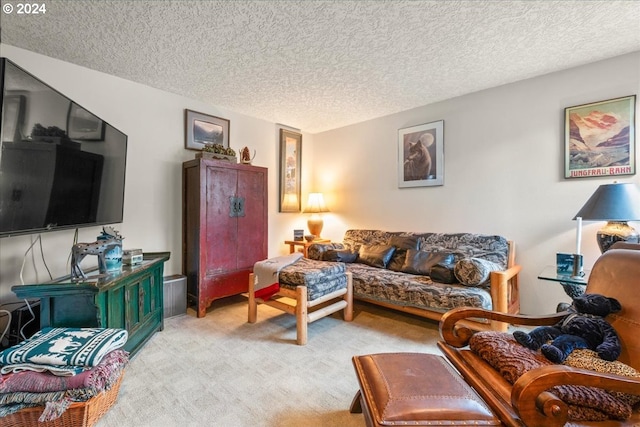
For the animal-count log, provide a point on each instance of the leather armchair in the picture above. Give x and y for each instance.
(527, 403)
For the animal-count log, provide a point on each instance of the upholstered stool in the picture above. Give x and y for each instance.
(310, 290)
(416, 389)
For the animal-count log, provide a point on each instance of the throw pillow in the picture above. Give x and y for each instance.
(343, 255)
(584, 358)
(376, 255)
(420, 262)
(474, 271)
(443, 273)
(402, 244)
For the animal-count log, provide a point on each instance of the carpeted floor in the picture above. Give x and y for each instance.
(222, 371)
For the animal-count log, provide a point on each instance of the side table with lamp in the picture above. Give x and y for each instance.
(315, 206)
(615, 203)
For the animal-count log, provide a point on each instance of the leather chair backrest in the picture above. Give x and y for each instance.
(617, 274)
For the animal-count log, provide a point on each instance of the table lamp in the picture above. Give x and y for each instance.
(615, 203)
(315, 206)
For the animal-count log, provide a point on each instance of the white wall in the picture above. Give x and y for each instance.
(154, 123)
(503, 170)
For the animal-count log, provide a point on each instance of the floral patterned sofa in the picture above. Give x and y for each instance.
(395, 269)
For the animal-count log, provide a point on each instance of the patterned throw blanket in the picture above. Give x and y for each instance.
(512, 360)
(62, 351)
(266, 274)
(28, 388)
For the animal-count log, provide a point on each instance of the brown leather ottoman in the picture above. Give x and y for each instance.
(416, 389)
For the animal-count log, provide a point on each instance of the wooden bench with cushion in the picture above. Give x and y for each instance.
(529, 401)
(309, 290)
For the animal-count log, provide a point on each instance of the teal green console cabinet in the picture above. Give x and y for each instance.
(131, 299)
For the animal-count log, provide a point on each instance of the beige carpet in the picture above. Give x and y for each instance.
(222, 371)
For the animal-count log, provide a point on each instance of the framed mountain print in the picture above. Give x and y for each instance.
(600, 138)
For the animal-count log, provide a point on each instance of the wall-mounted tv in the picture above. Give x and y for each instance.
(60, 165)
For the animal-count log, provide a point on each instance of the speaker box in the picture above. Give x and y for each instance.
(175, 295)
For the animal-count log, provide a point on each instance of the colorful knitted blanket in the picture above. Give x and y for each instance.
(54, 393)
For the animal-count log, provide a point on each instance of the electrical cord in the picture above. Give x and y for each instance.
(33, 317)
(28, 304)
(6, 329)
(24, 260)
(44, 261)
(5, 312)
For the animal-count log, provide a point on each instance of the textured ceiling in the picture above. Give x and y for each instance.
(319, 65)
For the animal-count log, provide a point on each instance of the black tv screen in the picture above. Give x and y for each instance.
(60, 165)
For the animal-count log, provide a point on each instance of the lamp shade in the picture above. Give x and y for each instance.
(616, 204)
(612, 202)
(316, 204)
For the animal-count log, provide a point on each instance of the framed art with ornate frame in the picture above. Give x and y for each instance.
(290, 166)
(600, 138)
(202, 129)
(421, 155)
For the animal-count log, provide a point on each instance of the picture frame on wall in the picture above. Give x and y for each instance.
(83, 125)
(14, 111)
(421, 155)
(202, 129)
(600, 138)
(290, 168)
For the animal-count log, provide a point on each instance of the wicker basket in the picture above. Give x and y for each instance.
(79, 414)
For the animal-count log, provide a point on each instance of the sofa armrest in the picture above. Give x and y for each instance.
(457, 335)
(536, 406)
(505, 293)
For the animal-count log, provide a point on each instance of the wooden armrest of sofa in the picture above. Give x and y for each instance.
(505, 296)
(454, 333)
(536, 406)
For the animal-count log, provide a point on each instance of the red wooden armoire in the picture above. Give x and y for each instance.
(224, 231)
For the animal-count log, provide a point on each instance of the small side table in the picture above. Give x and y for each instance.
(573, 286)
(304, 245)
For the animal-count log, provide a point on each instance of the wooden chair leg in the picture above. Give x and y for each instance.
(356, 403)
(301, 315)
(348, 297)
(253, 306)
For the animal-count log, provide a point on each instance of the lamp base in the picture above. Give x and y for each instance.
(315, 226)
(616, 231)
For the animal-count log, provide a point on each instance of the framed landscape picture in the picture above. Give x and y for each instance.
(290, 163)
(600, 138)
(421, 155)
(202, 129)
(84, 126)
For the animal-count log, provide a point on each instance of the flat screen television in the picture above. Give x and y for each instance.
(60, 165)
